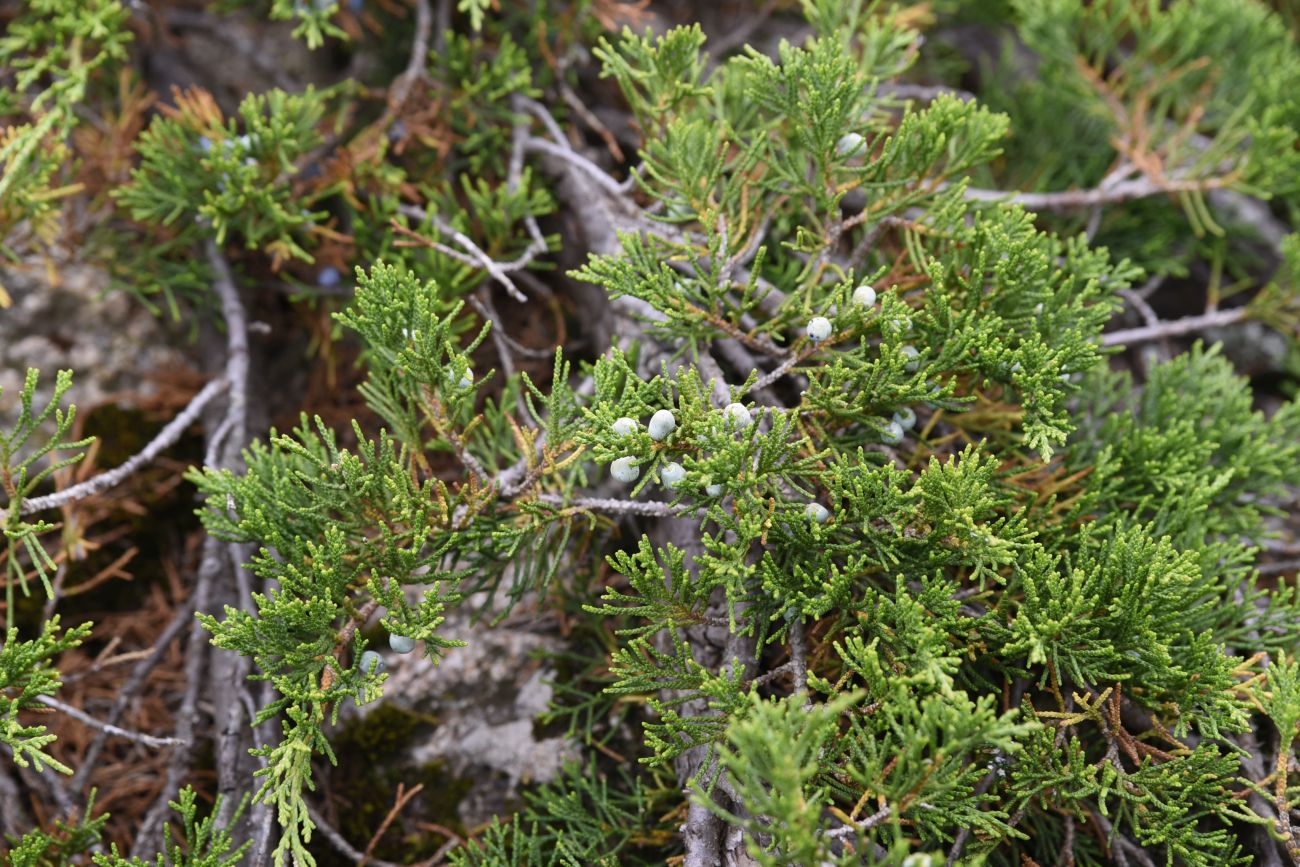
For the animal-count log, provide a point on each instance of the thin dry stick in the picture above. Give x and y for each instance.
(963, 836)
(593, 171)
(341, 843)
(102, 482)
(649, 508)
(1120, 846)
(768, 676)
(923, 92)
(735, 353)
(496, 269)
(82, 716)
(1071, 200)
(224, 449)
(865, 825)
(496, 332)
(150, 833)
(515, 172)
(13, 816)
(720, 394)
(401, 87)
(234, 429)
(1280, 800)
(139, 675)
(539, 111)
(232, 310)
(767, 379)
(740, 33)
(581, 110)
(1141, 306)
(799, 659)
(404, 796)
(1174, 327)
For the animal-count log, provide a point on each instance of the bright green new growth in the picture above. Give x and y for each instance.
(774, 755)
(204, 844)
(39, 848)
(27, 672)
(30, 454)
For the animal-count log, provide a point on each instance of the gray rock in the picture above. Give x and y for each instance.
(109, 340)
(486, 697)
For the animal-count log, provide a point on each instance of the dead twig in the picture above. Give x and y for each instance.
(400, 90)
(166, 438)
(127, 692)
(1123, 191)
(339, 842)
(532, 144)
(498, 270)
(404, 795)
(149, 837)
(224, 446)
(799, 659)
(108, 729)
(864, 825)
(1174, 327)
(648, 508)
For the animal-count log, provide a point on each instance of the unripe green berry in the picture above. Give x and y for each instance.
(817, 512)
(906, 418)
(680, 209)
(401, 643)
(625, 426)
(714, 490)
(892, 434)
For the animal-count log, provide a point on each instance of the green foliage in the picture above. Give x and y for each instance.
(314, 19)
(27, 672)
(1195, 94)
(938, 580)
(578, 819)
(476, 10)
(205, 845)
(323, 565)
(54, 50)
(659, 75)
(1191, 436)
(201, 177)
(29, 455)
(62, 846)
(774, 755)
(1214, 81)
